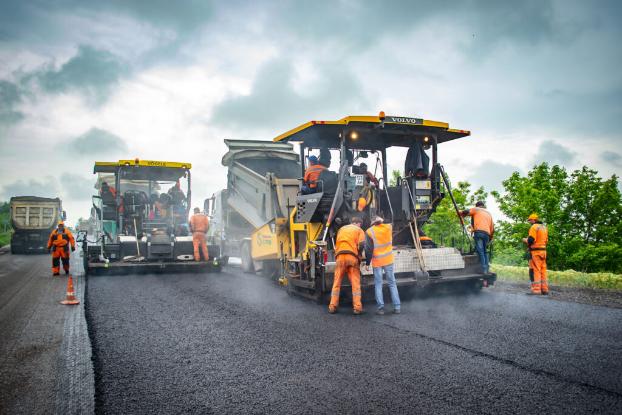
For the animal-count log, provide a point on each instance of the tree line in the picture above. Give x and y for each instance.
(581, 210)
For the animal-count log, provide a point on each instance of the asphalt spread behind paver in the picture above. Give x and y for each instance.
(235, 343)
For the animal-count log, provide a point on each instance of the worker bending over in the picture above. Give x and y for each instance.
(536, 241)
(199, 224)
(483, 231)
(379, 250)
(60, 241)
(312, 175)
(349, 246)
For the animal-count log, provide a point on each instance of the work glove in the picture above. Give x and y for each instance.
(49, 250)
(73, 248)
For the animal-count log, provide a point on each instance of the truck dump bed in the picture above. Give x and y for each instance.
(262, 179)
(32, 212)
(248, 216)
(32, 219)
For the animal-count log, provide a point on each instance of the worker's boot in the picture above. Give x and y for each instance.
(545, 293)
(397, 311)
(358, 312)
(332, 310)
(56, 274)
(380, 311)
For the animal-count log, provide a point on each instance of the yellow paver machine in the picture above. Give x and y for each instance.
(141, 216)
(358, 150)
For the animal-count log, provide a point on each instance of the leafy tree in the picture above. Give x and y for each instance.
(444, 225)
(395, 176)
(582, 213)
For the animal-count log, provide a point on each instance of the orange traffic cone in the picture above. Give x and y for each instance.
(71, 295)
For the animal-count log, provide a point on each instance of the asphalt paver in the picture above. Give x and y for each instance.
(237, 343)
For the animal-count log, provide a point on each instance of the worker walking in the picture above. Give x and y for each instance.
(483, 231)
(379, 251)
(312, 175)
(199, 224)
(59, 243)
(536, 241)
(349, 246)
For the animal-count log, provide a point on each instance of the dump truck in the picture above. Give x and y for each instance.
(356, 142)
(33, 219)
(248, 219)
(141, 215)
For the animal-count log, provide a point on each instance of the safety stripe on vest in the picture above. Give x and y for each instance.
(383, 255)
(373, 237)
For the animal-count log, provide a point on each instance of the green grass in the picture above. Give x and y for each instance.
(5, 238)
(569, 278)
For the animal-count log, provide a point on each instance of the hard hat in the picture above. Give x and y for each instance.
(533, 216)
(377, 220)
(480, 203)
(196, 209)
(313, 159)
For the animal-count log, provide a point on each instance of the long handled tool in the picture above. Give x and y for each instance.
(415, 233)
(453, 200)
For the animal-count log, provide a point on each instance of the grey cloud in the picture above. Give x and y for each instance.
(359, 23)
(10, 97)
(554, 153)
(47, 186)
(273, 102)
(91, 71)
(76, 187)
(98, 141)
(490, 174)
(612, 158)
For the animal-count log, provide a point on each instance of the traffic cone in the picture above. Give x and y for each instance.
(71, 295)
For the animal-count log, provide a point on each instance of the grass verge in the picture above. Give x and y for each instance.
(5, 238)
(569, 278)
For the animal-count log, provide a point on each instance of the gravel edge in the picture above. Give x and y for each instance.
(590, 296)
(75, 383)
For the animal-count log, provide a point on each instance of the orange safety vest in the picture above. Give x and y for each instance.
(540, 235)
(482, 220)
(382, 235)
(313, 174)
(199, 223)
(348, 240)
(60, 240)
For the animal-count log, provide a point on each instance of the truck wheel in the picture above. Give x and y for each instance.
(247, 259)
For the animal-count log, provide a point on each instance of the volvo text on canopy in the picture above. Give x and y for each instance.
(360, 146)
(141, 211)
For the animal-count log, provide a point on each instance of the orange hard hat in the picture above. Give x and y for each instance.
(533, 216)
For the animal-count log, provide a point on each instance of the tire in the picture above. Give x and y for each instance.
(247, 259)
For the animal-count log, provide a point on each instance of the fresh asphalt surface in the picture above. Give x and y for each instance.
(237, 343)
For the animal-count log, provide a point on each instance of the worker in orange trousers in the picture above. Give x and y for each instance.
(536, 241)
(59, 243)
(348, 248)
(199, 224)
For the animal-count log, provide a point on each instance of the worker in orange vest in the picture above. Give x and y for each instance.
(379, 251)
(312, 174)
(199, 224)
(59, 243)
(483, 231)
(349, 246)
(537, 241)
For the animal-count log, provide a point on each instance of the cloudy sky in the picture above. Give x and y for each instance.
(169, 80)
